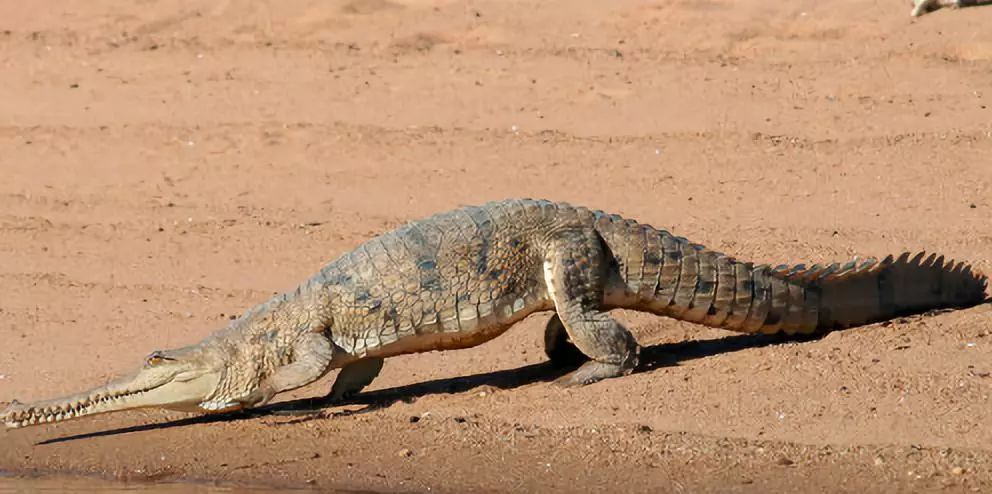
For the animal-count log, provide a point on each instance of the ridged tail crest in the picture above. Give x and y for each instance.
(867, 291)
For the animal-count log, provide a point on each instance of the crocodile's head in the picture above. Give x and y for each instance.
(185, 379)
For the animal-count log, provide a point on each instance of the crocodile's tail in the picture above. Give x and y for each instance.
(800, 299)
(668, 275)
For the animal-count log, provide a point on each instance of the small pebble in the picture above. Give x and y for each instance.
(404, 453)
(957, 471)
(784, 461)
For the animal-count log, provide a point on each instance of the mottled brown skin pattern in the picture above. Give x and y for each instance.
(460, 278)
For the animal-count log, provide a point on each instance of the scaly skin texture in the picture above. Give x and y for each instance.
(921, 7)
(458, 279)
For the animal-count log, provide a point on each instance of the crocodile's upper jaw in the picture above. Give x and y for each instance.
(175, 381)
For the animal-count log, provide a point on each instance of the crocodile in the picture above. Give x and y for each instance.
(461, 278)
(921, 7)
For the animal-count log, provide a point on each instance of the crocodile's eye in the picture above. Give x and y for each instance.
(156, 358)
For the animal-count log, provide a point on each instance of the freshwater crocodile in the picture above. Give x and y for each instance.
(460, 278)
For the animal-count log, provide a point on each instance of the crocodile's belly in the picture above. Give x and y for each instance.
(468, 329)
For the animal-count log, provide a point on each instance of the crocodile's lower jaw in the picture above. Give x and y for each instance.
(43, 414)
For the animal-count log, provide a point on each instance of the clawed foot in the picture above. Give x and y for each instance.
(257, 398)
(339, 397)
(591, 372)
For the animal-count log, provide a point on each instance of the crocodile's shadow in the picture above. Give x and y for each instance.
(652, 357)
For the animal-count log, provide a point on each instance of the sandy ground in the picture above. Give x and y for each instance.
(166, 164)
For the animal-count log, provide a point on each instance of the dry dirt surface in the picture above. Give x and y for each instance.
(166, 164)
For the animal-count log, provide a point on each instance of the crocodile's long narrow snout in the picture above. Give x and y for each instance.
(179, 380)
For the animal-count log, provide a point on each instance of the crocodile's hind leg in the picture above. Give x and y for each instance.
(353, 378)
(575, 270)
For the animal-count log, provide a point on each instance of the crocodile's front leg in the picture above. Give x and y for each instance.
(558, 347)
(311, 360)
